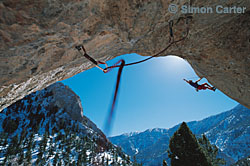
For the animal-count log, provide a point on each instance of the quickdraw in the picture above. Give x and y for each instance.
(96, 63)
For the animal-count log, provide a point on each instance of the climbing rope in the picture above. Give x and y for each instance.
(107, 69)
(121, 63)
(96, 63)
(109, 121)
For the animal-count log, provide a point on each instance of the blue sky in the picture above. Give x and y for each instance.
(152, 94)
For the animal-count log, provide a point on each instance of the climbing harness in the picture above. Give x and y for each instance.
(121, 63)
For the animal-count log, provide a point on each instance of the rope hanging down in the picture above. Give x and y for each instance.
(109, 121)
(122, 64)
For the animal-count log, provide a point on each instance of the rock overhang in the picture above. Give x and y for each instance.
(38, 38)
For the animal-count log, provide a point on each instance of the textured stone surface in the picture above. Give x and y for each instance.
(37, 40)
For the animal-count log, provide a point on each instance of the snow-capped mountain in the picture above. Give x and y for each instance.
(229, 131)
(243, 162)
(134, 144)
(48, 127)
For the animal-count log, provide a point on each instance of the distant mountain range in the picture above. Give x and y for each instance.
(243, 162)
(48, 127)
(229, 131)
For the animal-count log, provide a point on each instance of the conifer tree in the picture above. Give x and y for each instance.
(41, 157)
(103, 160)
(185, 149)
(21, 158)
(4, 139)
(51, 148)
(107, 161)
(79, 159)
(115, 156)
(135, 162)
(12, 149)
(128, 159)
(59, 162)
(84, 156)
(164, 163)
(55, 160)
(28, 155)
(211, 151)
(4, 142)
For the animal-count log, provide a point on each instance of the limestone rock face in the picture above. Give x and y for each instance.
(64, 97)
(37, 40)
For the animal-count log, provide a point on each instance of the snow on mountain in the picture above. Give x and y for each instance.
(48, 127)
(243, 162)
(229, 131)
(133, 143)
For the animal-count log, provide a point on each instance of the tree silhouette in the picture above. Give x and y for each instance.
(211, 151)
(185, 149)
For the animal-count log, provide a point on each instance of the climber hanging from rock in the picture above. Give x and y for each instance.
(200, 87)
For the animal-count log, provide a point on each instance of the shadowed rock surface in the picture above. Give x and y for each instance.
(37, 40)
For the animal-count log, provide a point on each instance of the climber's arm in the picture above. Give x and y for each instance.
(198, 80)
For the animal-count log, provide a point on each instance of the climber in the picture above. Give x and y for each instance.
(200, 87)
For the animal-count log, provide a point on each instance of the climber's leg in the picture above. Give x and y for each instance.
(202, 87)
(206, 84)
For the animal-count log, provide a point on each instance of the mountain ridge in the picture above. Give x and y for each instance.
(48, 126)
(225, 126)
